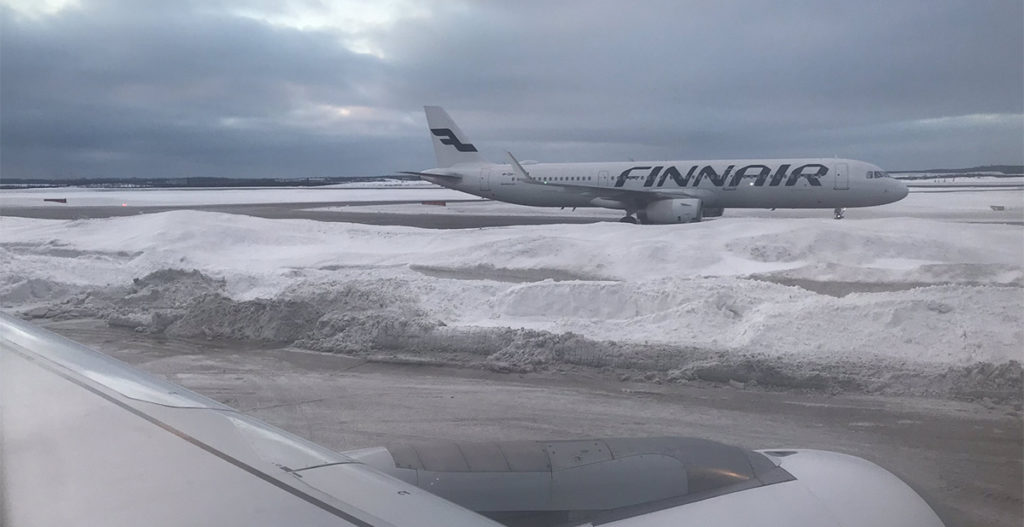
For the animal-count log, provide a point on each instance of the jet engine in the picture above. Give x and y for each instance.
(671, 211)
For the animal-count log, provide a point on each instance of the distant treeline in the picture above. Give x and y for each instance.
(192, 182)
(1005, 170)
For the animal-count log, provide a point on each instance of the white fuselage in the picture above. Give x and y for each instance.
(746, 183)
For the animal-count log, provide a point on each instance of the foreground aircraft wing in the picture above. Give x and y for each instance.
(609, 196)
(87, 440)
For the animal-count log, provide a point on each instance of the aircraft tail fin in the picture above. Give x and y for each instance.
(450, 145)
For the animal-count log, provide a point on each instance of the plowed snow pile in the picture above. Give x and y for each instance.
(911, 306)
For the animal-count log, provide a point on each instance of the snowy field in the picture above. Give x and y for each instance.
(156, 197)
(907, 305)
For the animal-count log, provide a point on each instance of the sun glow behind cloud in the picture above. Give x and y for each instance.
(39, 8)
(330, 119)
(357, 22)
(352, 120)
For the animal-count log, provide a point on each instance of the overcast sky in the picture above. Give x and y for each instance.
(308, 88)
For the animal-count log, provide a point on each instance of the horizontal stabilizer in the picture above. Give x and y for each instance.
(453, 177)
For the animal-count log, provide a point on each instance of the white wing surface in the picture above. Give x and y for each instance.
(88, 440)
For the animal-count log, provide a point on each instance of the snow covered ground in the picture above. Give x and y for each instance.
(896, 305)
(148, 197)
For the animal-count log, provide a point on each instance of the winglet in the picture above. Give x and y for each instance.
(519, 170)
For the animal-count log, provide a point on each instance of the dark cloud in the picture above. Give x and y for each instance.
(192, 88)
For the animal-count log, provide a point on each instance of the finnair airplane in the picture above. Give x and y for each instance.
(658, 191)
(88, 440)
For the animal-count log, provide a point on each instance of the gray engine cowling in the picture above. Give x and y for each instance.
(683, 210)
(547, 483)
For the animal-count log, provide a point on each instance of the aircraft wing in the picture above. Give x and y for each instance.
(638, 198)
(610, 196)
(88, 440)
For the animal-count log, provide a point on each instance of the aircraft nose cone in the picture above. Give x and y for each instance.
(901, 190)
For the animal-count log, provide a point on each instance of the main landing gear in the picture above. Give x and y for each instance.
(839, 213)
(628, 219)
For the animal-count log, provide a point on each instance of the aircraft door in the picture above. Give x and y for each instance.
(842, 176)
(602, 178)
(485, 179)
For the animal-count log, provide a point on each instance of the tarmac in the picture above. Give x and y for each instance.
(358, 214)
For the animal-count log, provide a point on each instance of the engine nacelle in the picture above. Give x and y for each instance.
(683, 210)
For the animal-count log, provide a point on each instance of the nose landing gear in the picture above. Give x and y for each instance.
(839, 213)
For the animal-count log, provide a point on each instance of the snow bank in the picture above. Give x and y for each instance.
(908, 306)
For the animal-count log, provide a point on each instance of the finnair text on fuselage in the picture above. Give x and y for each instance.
(758, 175)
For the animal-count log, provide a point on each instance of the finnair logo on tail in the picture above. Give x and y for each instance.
(448, 138)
